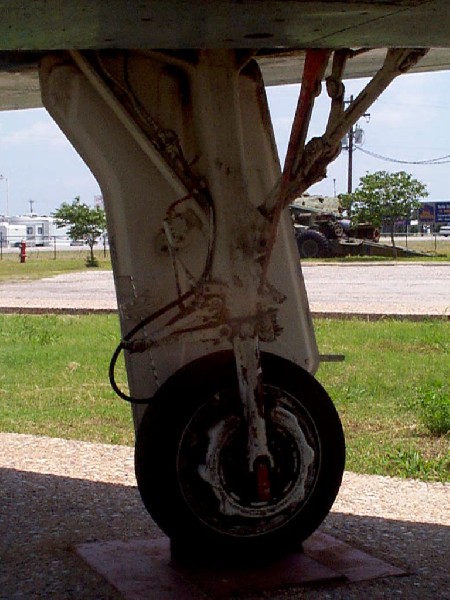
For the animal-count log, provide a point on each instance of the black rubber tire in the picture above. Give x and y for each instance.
(313, 244)
(171, 449)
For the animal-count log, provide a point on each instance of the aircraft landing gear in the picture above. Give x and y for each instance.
(191, 468)
(238, 449)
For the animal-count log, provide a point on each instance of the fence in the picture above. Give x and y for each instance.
(43, 246)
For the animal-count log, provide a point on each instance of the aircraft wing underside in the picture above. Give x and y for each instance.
(278, 30)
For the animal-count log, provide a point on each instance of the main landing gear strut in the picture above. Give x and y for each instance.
(238, 447)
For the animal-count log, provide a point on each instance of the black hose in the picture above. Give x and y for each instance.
(122, 345)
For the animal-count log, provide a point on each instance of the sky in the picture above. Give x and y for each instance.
(409, 122)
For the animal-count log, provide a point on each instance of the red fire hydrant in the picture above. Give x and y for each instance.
(23, 251)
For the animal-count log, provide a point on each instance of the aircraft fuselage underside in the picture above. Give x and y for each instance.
(213, 308)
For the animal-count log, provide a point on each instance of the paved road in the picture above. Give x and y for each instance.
(422, 289)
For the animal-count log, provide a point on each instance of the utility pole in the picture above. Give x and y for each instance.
(5, 179)
(353, 136)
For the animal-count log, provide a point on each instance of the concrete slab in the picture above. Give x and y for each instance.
(352, 563)
(142, 569)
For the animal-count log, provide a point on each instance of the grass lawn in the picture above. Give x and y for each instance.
(439, 252)
(53, 381)
(427, 243)
(54, 378)
(392, 388)
(40, 263)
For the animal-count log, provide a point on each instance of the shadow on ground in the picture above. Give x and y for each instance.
(43, 517)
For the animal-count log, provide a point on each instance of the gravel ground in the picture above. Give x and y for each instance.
(58, 493)
(407, 289)
(87, 290)
(399, 289)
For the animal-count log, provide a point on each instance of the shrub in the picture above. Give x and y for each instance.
(91, 261)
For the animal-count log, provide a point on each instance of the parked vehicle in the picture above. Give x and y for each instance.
(321, 230)
(445, 230)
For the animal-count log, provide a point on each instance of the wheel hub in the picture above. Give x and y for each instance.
(220, 489)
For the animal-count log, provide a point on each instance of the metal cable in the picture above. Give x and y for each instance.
(432, 161)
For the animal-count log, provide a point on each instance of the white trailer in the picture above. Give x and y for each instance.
(37, 228)
(11, 234)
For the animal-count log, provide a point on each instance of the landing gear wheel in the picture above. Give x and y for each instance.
(191, 459)
(313, 244)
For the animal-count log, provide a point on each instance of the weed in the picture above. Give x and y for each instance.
(434, 409)
(409, 462)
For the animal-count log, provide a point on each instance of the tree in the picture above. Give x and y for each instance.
(85, 223)
(383, 198)
(346, 202)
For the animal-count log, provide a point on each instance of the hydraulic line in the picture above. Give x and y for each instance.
(123, 343)
(160, 312)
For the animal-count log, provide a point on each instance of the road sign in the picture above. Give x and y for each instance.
(442, 212)
(426, 212)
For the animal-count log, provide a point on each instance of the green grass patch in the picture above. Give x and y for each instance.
(438, 251)
(379, 391)
(392, 391)
(54, 378)
(440, 247)
(40, 263)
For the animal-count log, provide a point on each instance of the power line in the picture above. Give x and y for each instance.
(442, 160)
(412, 104)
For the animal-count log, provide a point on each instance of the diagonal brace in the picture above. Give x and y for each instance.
(306, 164)
(313, 159)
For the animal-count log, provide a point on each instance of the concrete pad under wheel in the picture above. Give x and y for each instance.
(142, 569)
